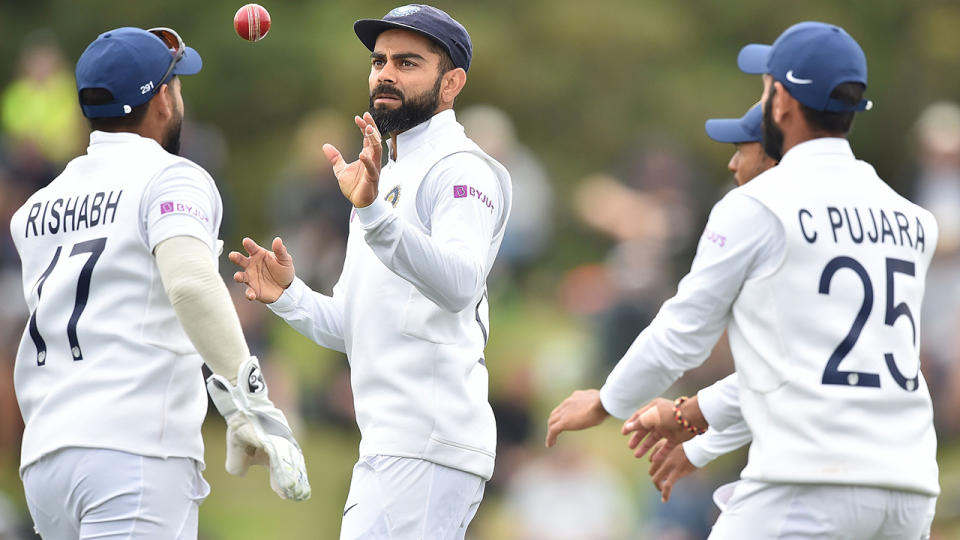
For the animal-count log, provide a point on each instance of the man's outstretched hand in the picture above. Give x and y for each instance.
(579, 411)
(265, 273)
(359, 180)
(666, 469)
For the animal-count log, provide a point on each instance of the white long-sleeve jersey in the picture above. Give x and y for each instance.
(818, 268)
(410, 307)
(104, 362)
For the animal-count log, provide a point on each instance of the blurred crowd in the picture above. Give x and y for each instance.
(646, 211)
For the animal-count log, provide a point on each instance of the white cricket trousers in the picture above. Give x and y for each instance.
(94, 493)
(764, 511)
(400, 498)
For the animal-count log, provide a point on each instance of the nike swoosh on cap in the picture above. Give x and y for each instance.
(795, 80)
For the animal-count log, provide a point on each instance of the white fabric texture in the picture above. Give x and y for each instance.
(202, 303)
(764, 511)
(720, 402)
(395, 498)
(410, 307)
(720, 405)
(91, 493)
(116, 370)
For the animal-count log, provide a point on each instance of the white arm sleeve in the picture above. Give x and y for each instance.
(316, 316)
(715, 443)
(742, 240)
(720, 403)
(202, 303)
(450, 265)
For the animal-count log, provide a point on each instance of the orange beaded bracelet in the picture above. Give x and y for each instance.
(683, 421)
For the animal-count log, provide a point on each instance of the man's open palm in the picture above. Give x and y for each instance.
(359, 180)
(266, 273)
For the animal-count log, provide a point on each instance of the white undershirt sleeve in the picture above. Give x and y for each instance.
(742, 240)
(460, 203)
(202, 303)
(316, 316)
(720, 405)
(714, 443)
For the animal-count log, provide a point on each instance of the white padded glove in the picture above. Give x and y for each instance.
(258, 433)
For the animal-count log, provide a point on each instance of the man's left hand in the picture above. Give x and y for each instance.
(359, 180)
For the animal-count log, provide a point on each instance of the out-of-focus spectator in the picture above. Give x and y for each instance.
(647, 211)
(531, 222)
(307, 210)
(568, 495)
(39, 112)
(936, 187)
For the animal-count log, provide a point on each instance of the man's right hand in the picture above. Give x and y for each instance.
(266, 273)
(666, 469)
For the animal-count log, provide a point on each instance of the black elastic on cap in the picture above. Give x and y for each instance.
(110, 110)
(835, 105)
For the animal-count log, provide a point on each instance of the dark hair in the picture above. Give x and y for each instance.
(446, 63)
(836, 122)
(101, 96)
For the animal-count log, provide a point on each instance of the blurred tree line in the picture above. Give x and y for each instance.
(581, 79)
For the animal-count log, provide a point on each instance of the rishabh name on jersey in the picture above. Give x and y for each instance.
(418, 372)
(103, 362)
(827, 346)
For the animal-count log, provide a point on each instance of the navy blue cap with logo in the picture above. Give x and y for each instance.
(810, 59)
(132, 64)
(746, 129)
(425, 20)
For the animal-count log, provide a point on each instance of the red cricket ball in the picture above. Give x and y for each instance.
(252, 22)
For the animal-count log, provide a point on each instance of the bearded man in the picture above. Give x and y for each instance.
(410, 309)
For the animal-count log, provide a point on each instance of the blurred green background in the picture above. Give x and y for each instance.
(613, 87)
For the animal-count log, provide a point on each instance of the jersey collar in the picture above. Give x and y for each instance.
(412, 139)
(103, 139)
(836, 146)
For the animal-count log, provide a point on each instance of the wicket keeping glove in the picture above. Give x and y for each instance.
(258, 433)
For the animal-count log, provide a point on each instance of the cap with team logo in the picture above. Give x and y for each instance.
(811, 59)
(422, 19)
(746, 129)
(130, 63)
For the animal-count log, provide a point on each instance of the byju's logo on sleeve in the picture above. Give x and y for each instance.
(459, 192)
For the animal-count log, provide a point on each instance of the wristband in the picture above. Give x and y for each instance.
(683, 421)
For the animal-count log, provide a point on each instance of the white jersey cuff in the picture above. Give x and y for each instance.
(290, 298)
(371, 216)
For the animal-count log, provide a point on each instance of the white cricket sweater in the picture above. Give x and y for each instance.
(410, 308)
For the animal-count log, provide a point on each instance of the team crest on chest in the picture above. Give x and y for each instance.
(393, 197)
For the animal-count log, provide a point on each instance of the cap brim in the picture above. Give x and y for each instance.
(727, 130)
(190, 64)
(368, 30)
(753, 59)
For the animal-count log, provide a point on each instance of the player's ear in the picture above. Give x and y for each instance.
(781, 102)
(162, 105)
(451, 84)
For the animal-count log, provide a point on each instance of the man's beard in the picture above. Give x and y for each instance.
(171, 139)
(772, 135)
(411, 112)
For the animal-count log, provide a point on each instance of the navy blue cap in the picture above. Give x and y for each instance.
(746, 129)
(422, 19)
(811, 59)
(128, 62)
